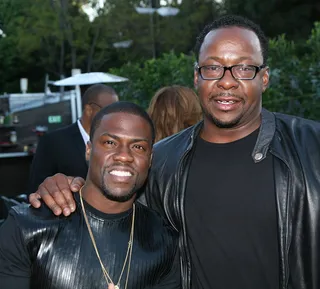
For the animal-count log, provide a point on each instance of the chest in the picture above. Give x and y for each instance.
(226, 184)
(69, 259)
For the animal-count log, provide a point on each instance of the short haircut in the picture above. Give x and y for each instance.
(124, 107)
(92, 93)
(234, 21)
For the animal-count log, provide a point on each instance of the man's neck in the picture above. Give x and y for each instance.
(94, 197)
(86, 125)
(214, 134)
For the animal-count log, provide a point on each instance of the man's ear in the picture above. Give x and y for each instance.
(88, 110)
(88, 150)
(265, 79)
(195, 79)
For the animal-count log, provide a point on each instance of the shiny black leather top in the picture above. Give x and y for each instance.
(57, 253)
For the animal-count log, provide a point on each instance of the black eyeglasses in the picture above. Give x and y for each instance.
(95, 104)
(240, 71)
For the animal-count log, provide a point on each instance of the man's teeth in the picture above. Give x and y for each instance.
(226, 101)
(121, 173)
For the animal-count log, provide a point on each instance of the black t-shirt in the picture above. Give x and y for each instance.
(231, 217)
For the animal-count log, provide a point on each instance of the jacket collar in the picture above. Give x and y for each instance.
(266, 133)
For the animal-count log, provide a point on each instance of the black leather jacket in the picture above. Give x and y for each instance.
(294, 142)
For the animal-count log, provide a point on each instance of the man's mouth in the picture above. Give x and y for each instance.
(121, 173)
(226, 101)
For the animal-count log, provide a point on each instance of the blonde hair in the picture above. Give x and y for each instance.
(172, 109)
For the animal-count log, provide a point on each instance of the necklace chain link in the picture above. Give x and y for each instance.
(111, 284)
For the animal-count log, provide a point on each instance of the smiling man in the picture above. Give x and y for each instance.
(111, 241)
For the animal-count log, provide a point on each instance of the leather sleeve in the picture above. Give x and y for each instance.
(15, 264)
(152, 196)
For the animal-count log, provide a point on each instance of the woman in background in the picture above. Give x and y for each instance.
(172, 109)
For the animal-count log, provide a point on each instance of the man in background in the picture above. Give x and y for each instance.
(63, 150)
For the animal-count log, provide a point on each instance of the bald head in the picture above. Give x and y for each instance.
(94, 99)
(100, 94)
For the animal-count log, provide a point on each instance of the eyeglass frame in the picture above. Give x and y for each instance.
(225, 68)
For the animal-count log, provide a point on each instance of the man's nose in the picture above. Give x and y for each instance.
(228, 81)
(123, 154)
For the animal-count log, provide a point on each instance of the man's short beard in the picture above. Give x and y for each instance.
(113, 197)
(220, 124)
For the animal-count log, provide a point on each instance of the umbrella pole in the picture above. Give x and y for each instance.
(79, 102)
(73, 106)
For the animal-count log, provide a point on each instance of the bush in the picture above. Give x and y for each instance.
(147, 77)
(295, 76)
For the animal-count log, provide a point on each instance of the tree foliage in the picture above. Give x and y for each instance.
(54, 36)
(294, 76)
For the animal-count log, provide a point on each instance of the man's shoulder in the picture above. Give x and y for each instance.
(55, 136)
(175, 139)
(27, 216)
(176, 144)
(296, 123)
(63, 131)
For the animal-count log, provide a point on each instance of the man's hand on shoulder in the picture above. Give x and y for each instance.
(56, 192)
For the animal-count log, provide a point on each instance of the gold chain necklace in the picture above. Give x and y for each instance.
(109, 281)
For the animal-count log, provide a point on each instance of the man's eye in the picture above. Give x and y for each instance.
(109, 142)
(212, 68)
(139, 147)
(246, 68)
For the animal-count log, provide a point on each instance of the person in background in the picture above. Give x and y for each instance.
(63, 150)
(111, 241)
(172, 109)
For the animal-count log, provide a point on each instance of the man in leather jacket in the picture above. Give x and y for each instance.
(111, 241)
(242, 187)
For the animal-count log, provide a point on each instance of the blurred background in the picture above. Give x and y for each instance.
(148, 42)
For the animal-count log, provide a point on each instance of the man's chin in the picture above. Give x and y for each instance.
(221, 123)
(120, 197)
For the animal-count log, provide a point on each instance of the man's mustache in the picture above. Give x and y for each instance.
(223, 94)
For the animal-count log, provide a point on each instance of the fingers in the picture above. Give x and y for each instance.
(55, 192)
(44, 193)
(34, 200)
(76, 183)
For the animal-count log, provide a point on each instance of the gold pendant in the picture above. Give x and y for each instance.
(112, 286)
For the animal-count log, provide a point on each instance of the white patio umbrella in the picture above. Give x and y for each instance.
(86, 79)
(90, 78)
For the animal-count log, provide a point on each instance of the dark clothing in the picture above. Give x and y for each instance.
(40, 250)
(232, 226)
(60, 151)
(294, 144)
